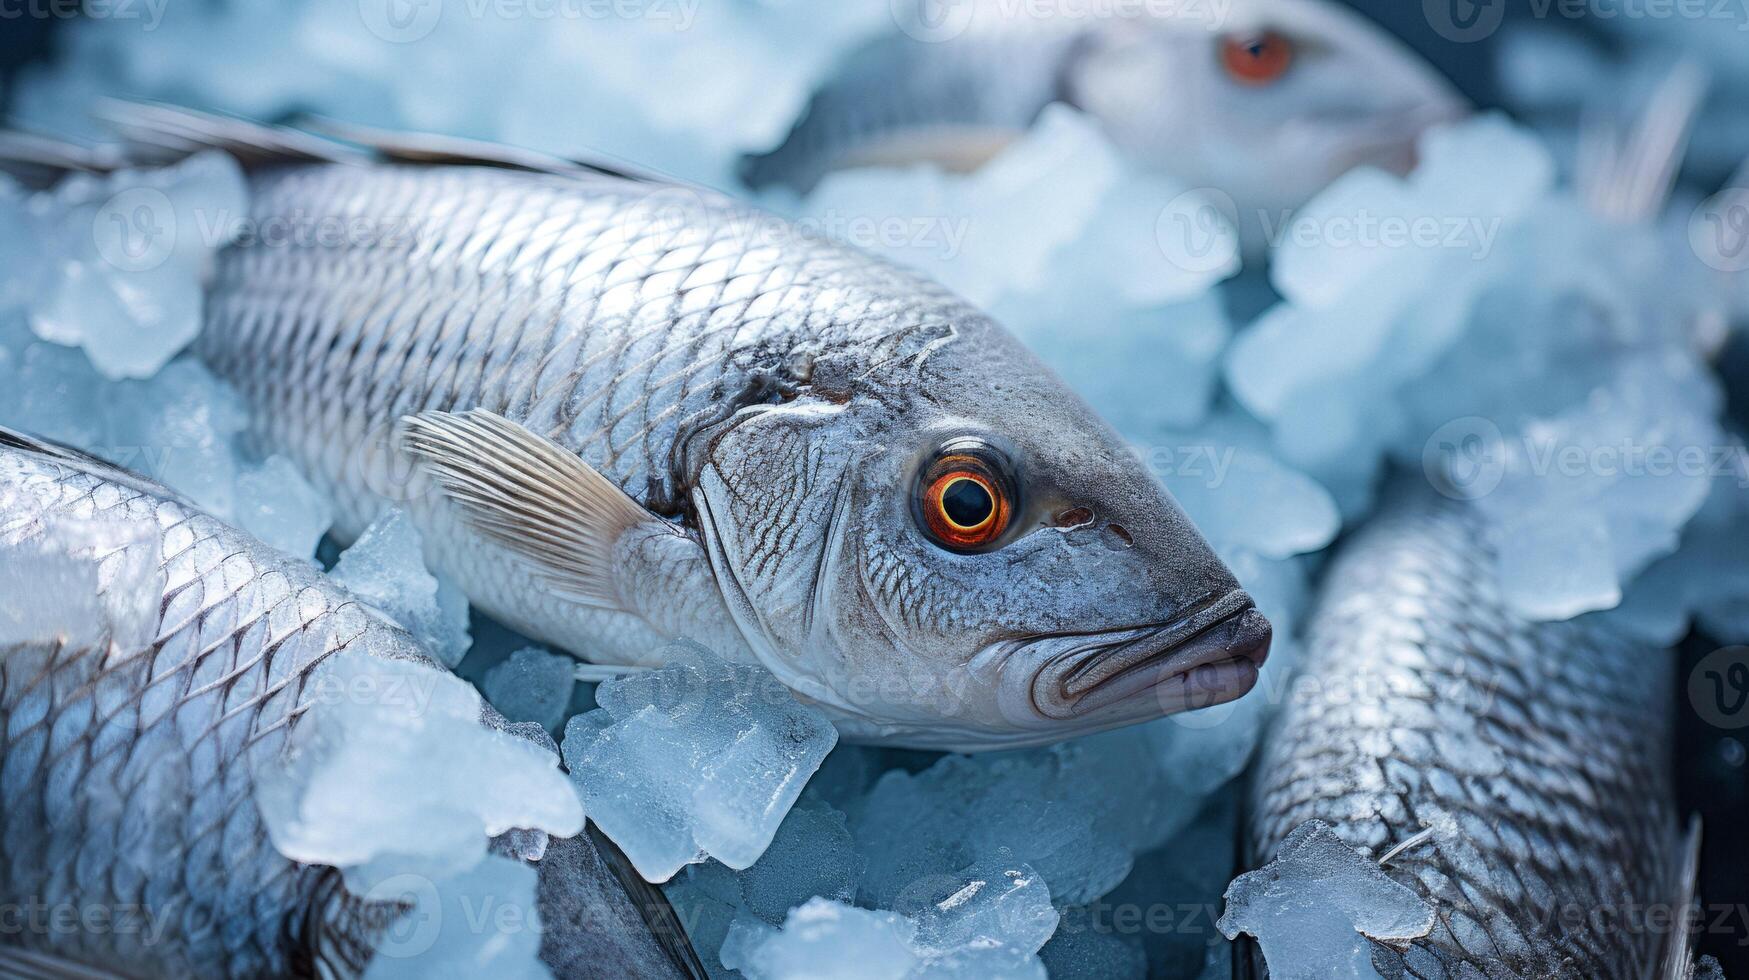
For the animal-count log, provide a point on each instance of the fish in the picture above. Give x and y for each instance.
(131, 723)
(626, 413)
(1517, 776)
(1266, 101)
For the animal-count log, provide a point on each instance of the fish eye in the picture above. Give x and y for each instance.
(1256, 58)
(964, 499)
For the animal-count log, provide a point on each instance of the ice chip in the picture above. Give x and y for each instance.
(386, 568)
(983, 907)
(391, 770)
(125, 256)
(532, 685)
(482, 922)
(276, 504)
(699, 758)
(1317, 907)
(859, 944)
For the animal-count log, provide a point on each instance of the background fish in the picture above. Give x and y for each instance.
(1266, 100)
(1539, 755)
(129, 746)
(622, 412)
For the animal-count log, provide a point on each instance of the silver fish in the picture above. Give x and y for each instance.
(1536, 759)
(623, 412)
(128, 741)
(1266, 100)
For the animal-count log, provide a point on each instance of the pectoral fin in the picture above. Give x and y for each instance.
(532, 496)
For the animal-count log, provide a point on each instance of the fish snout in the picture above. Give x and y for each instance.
(1209, 656)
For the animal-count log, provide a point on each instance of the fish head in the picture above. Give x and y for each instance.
(950, 550)
(1268, 102)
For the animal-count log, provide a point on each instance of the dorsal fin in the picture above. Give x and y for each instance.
(154, 134)
(84, 462)
(396, 146)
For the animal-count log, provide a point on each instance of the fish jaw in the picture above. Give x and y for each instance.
(1055, 687)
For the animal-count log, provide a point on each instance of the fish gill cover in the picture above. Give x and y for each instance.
(1472, 321)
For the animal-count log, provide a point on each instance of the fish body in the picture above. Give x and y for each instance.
(1538, 755)
(1265, 100)
(132, 734)
(623, 412)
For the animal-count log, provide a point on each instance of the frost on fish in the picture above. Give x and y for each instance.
(386, 568)
(532, 684)
(1319, 906)
(699, 758)
(112, 263)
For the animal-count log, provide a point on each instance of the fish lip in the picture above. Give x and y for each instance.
(1209, 655)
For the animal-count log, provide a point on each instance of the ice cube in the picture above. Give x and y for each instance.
(861, 944)
(386, 568)
(391, 771)
(1317, 907)
(276, 504)
(699, 758)
(125, 254)
(479, 922)
(532, 685)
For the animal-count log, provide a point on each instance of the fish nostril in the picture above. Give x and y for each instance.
(1118, 539)
(1069, 520)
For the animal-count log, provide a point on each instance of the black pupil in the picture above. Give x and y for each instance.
(967, 503)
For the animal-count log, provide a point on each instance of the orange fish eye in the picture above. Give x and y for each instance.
(1257, 58)
(964, 507)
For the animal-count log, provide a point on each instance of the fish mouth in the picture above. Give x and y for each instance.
(1209, 655)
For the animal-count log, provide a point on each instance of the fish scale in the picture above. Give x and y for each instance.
(603, 313)
(1538, 753)
(127, 770)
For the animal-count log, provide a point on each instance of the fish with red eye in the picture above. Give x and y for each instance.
(1257, 57)
(964, 502)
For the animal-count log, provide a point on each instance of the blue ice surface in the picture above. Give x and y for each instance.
(1524, 331)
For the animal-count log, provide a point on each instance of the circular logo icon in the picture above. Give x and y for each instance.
(1465, 458)
(1718, 231)
(400, 21)
(1464, 21)
(417, 929)
(1198, 231)
(932, 21)
(1718, 688)
(136, 229)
